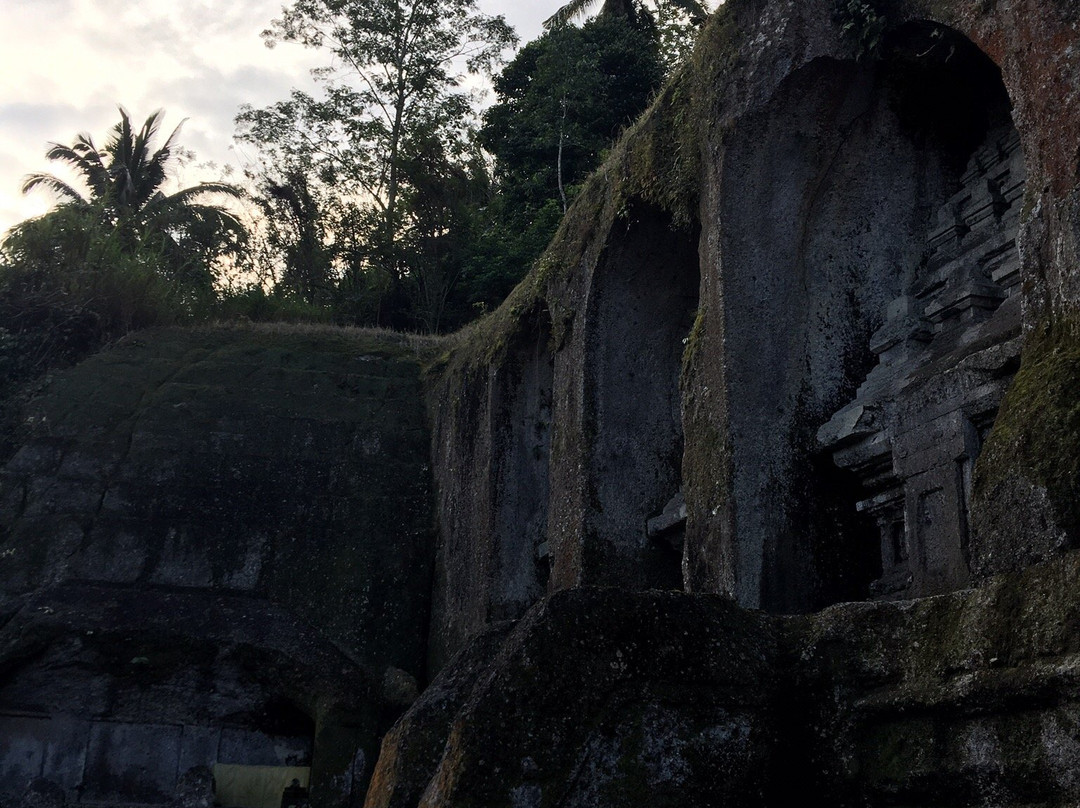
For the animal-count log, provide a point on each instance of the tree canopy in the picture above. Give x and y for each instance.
(394, 117)
(622, 8)
(124, 200)
(116, 253)
(560, 104)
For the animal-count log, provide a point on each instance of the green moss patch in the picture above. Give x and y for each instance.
(1037, 433)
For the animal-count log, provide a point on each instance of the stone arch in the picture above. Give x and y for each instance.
(830, 209)
(640, 309)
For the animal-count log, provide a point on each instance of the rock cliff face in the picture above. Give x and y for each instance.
(790, 306)
(216, 549)
(759, 490)
(783, 324)
(670, 699)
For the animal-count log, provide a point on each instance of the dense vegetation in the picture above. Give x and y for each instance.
(116, 255)
(389, 199)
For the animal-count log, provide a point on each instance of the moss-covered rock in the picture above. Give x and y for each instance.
(286, 462)
(411, 751)
(605, 698)
(1027, 480)
(609, 698)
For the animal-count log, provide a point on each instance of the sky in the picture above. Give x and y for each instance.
(65, 66)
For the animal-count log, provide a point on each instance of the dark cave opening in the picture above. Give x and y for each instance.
(282, 718)
(945, 92)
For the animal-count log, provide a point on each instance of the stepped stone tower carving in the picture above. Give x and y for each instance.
(945, 355)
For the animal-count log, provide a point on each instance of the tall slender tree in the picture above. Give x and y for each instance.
(395, 84)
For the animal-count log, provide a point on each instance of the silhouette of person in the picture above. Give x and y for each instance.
(294, 796)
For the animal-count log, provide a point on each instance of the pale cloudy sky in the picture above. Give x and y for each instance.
(65, 65)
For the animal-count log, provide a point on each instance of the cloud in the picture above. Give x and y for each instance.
(66, 64)
(24, 116)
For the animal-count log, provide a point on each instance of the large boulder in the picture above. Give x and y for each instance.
(599, 698)
(605, 699)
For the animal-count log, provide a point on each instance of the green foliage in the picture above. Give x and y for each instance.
(66, 288)
(676, 21)
(61, 261)
(253, 303)
(677, 25)
(561, 103)
(506, 245)
(862, 24)
(372, 173)
(296, 236)
(116, 255)
(658, 161)
(124, 203)
(690, 10)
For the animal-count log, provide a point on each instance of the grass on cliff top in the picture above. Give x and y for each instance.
(423, 346)
(238, 370)
(166, 341)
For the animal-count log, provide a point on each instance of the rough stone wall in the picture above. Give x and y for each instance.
(289, 465)
(550, 463)
(810, 178)
(815, 233)
(621, 431)
(112, 693)
(967, 699)
(200, 525)
(491, 460)
(589, 702)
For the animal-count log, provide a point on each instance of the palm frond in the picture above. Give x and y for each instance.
(183, 205)
(150, 170)
(125, 181)
(55, 185)
(224, 219)
(167, 147)
(186, 196)
(575, 8)
(84, 158)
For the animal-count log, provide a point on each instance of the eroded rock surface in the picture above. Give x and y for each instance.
(215, 549)
(866, 239)
(413, 748)
(605, 698)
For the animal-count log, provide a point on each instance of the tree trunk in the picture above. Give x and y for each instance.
(619, 8)
(562, 139)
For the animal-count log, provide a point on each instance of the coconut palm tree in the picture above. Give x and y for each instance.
(124, 194)
(622, 8)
